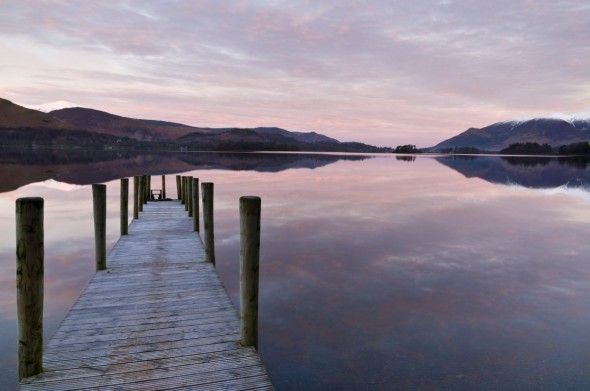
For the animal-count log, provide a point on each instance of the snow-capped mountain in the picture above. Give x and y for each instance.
(553, 129)
(57, 105)
(581, 116)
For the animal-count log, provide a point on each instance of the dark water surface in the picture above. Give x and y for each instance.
(434, 273)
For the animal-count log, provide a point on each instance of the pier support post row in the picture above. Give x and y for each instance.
(195, 204)
(124, 206)
(163, 187)
(178, 187)
(29, 285)
(135, 197)
(207, 194)
(99, 199)
(249, 261)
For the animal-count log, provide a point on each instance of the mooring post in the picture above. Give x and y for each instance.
(124, 205)
(29, 285)
(207, 194)
(249, 260)
(178, 187)
(99, 199)
(195, 203)
(163, 187)
(135, 197)
(190, 196)
(148, 187)
(182, 189)
(142, 192)
(186, 193)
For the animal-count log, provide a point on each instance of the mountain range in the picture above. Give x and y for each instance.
(84, 127)
(555, 130)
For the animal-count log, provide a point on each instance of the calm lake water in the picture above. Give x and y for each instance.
(377, 273)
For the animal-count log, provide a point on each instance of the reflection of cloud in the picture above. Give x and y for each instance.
(582, 194)
(414, 286)
(55, 185)
(412, 276)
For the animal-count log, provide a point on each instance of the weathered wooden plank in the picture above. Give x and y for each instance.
(134, 310)
(157, 379)
(117, 369)
(162, 344)
(157, 319)
(143, 319)
(65, 361)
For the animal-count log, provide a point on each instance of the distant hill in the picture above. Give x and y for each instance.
(13, 116)
(103, 122)
(556, 130)
(306, 137)
(91, 128)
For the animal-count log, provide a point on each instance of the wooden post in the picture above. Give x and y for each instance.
(207, 194)
(195, 203)
(186, 193)
(146, 189)
(135, 197)
(99, 199)
(149, 187)
(140, 193)
(178, 187)
(29, 285)
(163, 187)
(190, 196)
(124, 206)
(182, 189)
(249, 261)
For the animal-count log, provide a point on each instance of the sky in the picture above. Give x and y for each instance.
(383, 72)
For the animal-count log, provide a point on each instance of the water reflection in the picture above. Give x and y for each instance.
(87, 167)
(406, 158)
(532, 172)
(377, 274)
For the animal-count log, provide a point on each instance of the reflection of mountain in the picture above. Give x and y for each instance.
(21, 167)
(532, 172)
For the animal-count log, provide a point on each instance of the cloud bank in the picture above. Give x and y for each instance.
(382, 72)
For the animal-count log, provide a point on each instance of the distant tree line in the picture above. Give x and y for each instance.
(582, 148)
(408, 148)
(82, 139)
(528, 149)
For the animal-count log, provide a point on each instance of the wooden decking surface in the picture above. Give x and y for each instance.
(157, 319)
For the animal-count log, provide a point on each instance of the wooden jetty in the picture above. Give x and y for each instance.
(157, 318)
